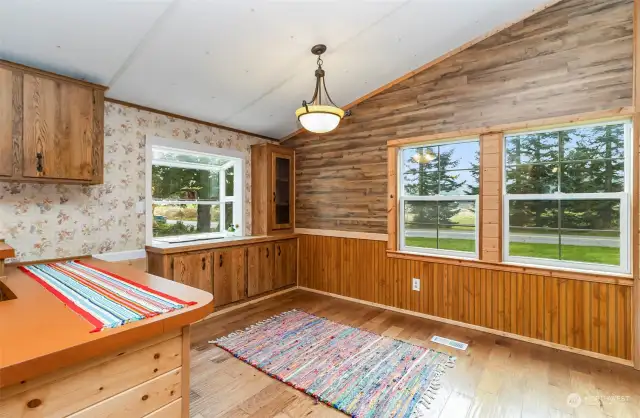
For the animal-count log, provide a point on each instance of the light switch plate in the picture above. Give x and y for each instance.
(140, 209)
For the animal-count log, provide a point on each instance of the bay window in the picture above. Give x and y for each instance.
(566, 197)
(194, 194)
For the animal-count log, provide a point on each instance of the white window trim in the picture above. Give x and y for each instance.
(238, 189)
(625, 238)
(467, 255)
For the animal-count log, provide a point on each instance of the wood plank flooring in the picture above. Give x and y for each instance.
(495, 377)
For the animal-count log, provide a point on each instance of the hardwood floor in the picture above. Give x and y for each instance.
(494, 377)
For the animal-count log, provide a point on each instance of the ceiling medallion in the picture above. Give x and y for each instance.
(320, 115)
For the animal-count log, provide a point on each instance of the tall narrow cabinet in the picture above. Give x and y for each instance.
(272, 189)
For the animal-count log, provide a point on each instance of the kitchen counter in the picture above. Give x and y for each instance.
(40, 335)
(161, 247)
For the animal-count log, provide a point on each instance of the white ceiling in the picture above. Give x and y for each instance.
(241, 63)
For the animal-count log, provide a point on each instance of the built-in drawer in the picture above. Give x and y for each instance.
(73, 393)
(173, 410)
(140, 400)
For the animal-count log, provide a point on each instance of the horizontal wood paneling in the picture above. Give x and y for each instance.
(580, 314)
(571, 58)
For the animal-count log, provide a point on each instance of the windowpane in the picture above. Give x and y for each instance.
(592, 176)
(170, 155)
(187, 219)
(532, 179)
(455, 183)
(176, 183)
(590, 231)
(228, 215)
(595, 142)
(421, 183)
(228, 181)
(420, 159)
(459, 156)
(442, 225)
(533, 229)
(532, 148)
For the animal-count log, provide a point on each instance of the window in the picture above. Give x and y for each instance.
(439, 187)
(567, 197)
(194, 194)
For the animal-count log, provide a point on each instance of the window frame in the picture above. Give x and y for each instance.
(402, 198)
(625, 206)
(237, 158)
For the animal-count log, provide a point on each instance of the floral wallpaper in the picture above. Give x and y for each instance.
(44, 221)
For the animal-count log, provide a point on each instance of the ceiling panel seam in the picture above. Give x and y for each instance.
(153, 30)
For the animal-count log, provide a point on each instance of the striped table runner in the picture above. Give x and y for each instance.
(104, 299)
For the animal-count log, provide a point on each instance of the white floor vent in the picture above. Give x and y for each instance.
(450, 343)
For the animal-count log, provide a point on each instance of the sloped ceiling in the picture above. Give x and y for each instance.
(241, 63)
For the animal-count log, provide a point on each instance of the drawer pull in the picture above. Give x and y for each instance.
(34, 403)
(145, 397)
(204, 263)
(39, 165)
(279, 252)
(156, 356)
(267, 252)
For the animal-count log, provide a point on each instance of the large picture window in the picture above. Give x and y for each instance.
(194, 195)
(566, 200)
(439, 186)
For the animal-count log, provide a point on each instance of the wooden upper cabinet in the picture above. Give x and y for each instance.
(260, 269)
(286, 263)
(57, 127)
(272, 189)
(194, 270)
(6, 122)
(229, 270)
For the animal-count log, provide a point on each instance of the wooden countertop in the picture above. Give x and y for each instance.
(39, 334)
(161, 247)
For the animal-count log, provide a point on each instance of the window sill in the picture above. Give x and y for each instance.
(610, 278)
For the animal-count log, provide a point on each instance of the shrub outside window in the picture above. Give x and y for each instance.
(438, 198)
(566, 201)
(194, 195)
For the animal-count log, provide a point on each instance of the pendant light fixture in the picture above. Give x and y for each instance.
(320, 115)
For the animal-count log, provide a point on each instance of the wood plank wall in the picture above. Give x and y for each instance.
(574, 57)
(580, 314)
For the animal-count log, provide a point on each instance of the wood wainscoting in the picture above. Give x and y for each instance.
(580, 314)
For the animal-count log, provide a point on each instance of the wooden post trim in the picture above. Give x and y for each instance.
(392, 198)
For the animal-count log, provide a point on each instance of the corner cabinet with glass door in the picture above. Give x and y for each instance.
(272, 189)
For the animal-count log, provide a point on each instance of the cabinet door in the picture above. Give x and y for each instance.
(282, 189)
(58, 129)
(286, 263)
(193, 270)
(228, 276)
(260, 269)
(6, 122)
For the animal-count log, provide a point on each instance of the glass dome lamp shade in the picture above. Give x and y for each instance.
(320, 114)
(319, 119)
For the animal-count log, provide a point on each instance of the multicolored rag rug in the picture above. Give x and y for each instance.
(102, 298)
(355, 371)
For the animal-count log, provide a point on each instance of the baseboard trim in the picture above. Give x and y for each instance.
(247, 303)
(480, 328)
(121, 255)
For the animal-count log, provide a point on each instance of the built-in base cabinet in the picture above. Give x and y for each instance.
(144, 380)
(231, 273)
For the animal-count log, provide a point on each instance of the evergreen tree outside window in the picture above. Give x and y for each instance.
(194, 195)
(439, 186)
(567, 194)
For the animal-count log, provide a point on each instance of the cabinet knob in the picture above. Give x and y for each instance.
(34, 403)
(39, 162)
(204, 263)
